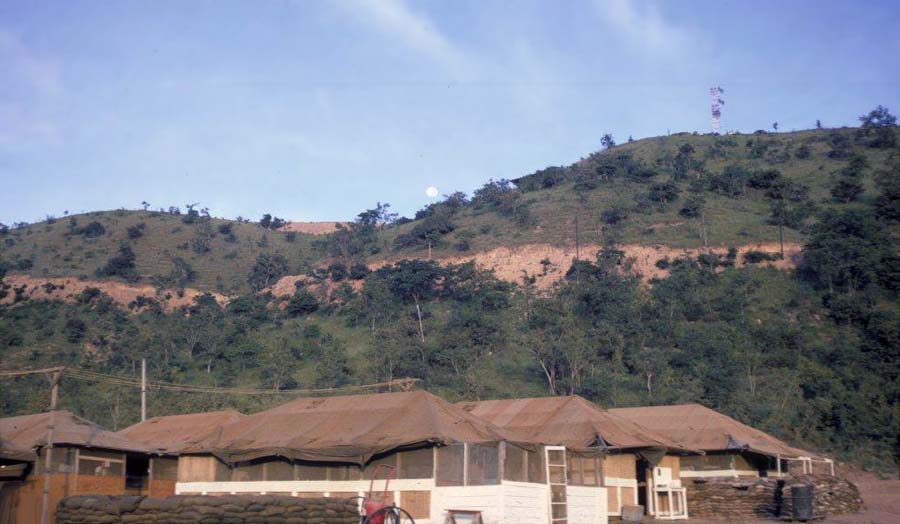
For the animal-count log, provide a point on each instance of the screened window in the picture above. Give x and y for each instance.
(583, 470)
(307, 471)
(417, 464)
(387, 460)
(164, 468)
(483, 464)
(515, 464)
(101, 464)
(536, 472)
(343, 472)
(279, 469)
(451, 464)
(248, 472)
(708, 462)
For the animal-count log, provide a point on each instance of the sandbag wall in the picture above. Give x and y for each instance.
(768, 497)
(229, 509)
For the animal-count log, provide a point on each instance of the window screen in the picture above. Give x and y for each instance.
(536, 471)
(310, 471)
(450, 465)
(279, 470)
(100, 467)
(417, 464)
(248, 472)
(343, 472)
(483, 465)
(583, 470)
(387, 460)
(515, 464)
(164, 468)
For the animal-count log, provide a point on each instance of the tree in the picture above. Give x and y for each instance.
(265, 221)
(301, 303)
(775, 126)
(120, 265)
(267, 269)
(818, 124)
(278, 365)
(607, 141)
(145, 205)
(848, 251)
(887, 203)
(878, 128)
(663, 192)
(416, 280)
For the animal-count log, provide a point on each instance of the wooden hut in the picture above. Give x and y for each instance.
(732, 449)
(84, 458)
(636, 465)
(168, 436)
(445, 459)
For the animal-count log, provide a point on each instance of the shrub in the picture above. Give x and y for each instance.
(663, 192)
(613, 215)
(136, 231)
(120, 265)
(301, 303)
(755, 257)
(91, 230)
(338, 271)
(358, 271)
(693, 207)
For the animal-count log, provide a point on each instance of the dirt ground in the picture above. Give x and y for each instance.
(882, 499)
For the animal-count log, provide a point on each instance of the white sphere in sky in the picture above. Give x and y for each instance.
(431, 192)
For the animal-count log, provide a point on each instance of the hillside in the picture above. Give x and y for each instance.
(643, 193)
(679, 292)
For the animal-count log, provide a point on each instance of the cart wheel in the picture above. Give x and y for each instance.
(391, 515)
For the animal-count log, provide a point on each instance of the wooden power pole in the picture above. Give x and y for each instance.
(48, 447)
(143, 389)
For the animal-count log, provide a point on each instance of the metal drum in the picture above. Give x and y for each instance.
(802, 502)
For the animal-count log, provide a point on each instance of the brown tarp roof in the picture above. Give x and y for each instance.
(12, 453)
(349, 428)
(174, 433)
(30, 432)
(570, 421)
(699, 427)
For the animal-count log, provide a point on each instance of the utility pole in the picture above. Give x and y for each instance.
(48, 447)
(143, 389)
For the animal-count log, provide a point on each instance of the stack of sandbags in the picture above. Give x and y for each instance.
(95, 509)
(831, 495)
(769, 497)
(231, 509)
(734, 497)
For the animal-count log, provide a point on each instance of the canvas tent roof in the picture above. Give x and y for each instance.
(30, 432)
(349, 428)
(11, 453)
(174, 433)
(570, 421)
(699, 427)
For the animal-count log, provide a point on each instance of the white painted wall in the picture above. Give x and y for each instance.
(506, 503)
(587, 505)
(487, 499)
(525, 503)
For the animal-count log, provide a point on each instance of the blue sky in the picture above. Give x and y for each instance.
(315, 110)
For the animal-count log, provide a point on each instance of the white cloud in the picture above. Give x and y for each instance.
(643, 23)
(415, 30)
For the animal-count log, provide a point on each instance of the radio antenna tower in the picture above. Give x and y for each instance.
(715, 94)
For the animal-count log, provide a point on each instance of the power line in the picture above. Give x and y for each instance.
(403, 384)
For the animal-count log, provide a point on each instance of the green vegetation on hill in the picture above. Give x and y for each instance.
(812, 355)
(176, 249)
